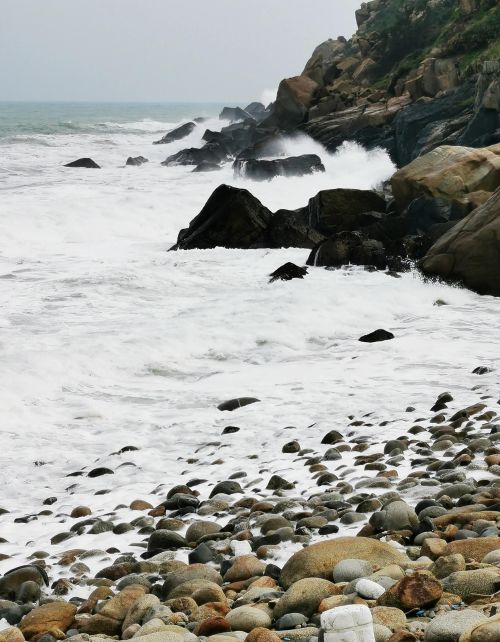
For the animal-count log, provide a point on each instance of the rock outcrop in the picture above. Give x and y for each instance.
(453, 173)
(414, 76)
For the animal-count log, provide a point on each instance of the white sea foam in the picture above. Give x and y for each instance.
(108, 340)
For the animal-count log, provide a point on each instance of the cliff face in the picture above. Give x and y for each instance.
(413, 76)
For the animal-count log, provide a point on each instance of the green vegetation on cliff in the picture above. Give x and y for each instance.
(408, 31)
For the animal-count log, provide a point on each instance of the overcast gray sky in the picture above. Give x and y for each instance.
(160, 50)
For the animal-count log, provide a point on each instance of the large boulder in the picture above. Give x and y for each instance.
(448, 172)
(231, 218)
(176, 134)
(470, 251)
(339, 210)
(319, 560)
(295, 96)
(55, 615)
(264, 170)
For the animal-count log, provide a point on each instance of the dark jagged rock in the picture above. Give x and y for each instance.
(177, 134)
(87, 163)
(136, 161)
(291, 229)
(234, 114)
(469, 253)
(348, 248)
(210, 153)
(262, 170)
(231, 218)
(287, 272)
(376, 336)
(339, 210)
(257, 110)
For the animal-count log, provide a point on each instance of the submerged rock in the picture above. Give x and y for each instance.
(262, 170)
(347, 248)
(136, 161)
(234, 404)
(87, 163)
(287, 272)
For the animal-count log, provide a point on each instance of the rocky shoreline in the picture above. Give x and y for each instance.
(423, 511)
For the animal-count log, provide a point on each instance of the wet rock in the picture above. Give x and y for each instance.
(394, 516)
(136, 161)
(287, 272)
(164, 540)
(265, 170)
(279, 483)
(226, 488)
(99, 472)
(234, 404)
(177, 134)
(376, 336)
(348, 248)
(87, 163)
(11, 582)
(206, 166)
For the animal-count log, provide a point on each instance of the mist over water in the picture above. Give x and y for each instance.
(107, 339)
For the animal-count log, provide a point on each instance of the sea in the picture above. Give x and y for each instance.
(109, 341)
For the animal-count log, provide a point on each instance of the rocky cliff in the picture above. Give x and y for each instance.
(415, 75)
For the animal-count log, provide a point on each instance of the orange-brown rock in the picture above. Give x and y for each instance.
(109, 619)
(212, 626)
(475, 549)
(319, 559)
(12, 634)
(403, 636)
(70, 556)
(465, 518)
(245, 567)
(55, 615)
(433, 547)
(140, 504)
(260, 634)
(414, 591)
(80, 511)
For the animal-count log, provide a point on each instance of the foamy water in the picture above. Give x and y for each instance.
(108, 340)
